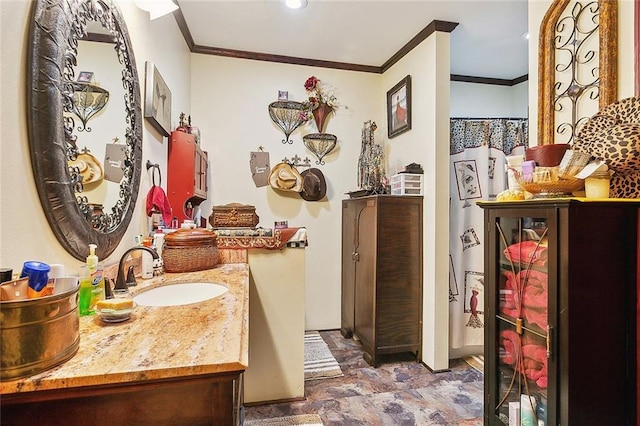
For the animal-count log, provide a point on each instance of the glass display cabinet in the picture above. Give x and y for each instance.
(560, 330)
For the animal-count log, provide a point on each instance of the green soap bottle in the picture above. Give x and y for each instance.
(91, 283)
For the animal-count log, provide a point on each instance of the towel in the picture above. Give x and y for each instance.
(527, 252)
(533, 306)
(525, 356)
(157, 199)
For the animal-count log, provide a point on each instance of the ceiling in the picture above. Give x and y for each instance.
(488, 41)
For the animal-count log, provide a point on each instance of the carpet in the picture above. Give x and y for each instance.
(476, 361)
(301, 419)
(319, 362)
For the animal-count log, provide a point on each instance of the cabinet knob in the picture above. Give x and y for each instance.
(355, 256)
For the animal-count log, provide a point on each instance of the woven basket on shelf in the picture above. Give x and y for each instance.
(189, 250)
(560, 186)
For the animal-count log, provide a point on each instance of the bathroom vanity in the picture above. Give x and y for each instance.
(166, 365)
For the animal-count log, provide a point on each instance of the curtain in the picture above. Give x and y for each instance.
(477, 166)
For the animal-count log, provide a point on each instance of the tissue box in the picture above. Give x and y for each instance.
(406, 184)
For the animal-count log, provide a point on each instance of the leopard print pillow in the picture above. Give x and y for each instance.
(613, 135)
(625, 186)
(619, 147)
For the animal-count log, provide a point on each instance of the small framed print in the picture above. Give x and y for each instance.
(283, 95)
(399, 108)
(85, 77)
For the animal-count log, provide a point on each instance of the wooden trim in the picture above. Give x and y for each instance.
(520, 79)
(486, 80)
(434, 26)
(184, 28)
(257, 56)
(546, 59)
(115, 388)
(276, 401)
(608, 30)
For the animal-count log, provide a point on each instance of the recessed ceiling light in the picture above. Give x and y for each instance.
(296, 4)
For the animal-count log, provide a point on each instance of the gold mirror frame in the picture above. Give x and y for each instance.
(608, 63)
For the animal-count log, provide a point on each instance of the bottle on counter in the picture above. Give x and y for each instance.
(158, 241)
(147, 259)
(91, 283)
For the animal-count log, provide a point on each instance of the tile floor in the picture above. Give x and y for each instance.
(399, 392)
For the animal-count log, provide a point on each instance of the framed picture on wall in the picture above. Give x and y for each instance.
(157, 100)
(399, 108)
(85, 76)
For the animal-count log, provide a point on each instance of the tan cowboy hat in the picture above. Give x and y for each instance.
(89, 168)
(314, 186)
(285, 177)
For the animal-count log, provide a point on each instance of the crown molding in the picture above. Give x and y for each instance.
(487, 80)
(436, 25)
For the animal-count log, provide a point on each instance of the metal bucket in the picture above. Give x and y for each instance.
(38, 334)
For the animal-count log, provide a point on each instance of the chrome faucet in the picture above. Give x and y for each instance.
(121, 283)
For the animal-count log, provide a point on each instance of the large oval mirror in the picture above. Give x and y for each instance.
(85, 122)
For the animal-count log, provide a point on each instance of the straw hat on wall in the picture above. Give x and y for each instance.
(285, 177)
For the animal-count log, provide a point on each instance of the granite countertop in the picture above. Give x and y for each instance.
(159, 342)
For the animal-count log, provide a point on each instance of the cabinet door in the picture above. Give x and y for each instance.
(200, 173)
(399, 274)
(349, 210)
(366, 274)
(520, 378)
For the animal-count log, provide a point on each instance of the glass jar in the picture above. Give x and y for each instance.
(597, 185)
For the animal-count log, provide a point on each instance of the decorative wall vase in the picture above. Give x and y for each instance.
(287, 116)
(88, 100)
(320, 144)
(321, 114)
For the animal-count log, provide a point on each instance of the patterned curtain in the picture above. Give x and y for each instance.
(477, 155)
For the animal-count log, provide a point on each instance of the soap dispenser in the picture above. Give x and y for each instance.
(91, 283)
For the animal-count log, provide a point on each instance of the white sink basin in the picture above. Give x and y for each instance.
(180, 294)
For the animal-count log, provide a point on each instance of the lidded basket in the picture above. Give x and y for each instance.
(189, 250)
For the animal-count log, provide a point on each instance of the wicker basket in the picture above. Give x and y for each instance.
(189, 250)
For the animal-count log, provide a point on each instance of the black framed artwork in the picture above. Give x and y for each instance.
(399, 108)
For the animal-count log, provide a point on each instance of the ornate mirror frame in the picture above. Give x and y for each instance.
(56, 26)
(607, 70)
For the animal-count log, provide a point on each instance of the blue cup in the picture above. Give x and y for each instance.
(37, 272)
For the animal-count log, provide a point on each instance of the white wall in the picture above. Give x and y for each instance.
(475, 100)
(24, 230)
(230, 99)
(427, 143)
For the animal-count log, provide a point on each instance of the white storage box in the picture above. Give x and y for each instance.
(406, 184)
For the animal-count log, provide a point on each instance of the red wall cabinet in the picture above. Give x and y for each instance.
(187, 167)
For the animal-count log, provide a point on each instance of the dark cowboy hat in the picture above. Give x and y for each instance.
(314, 186)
